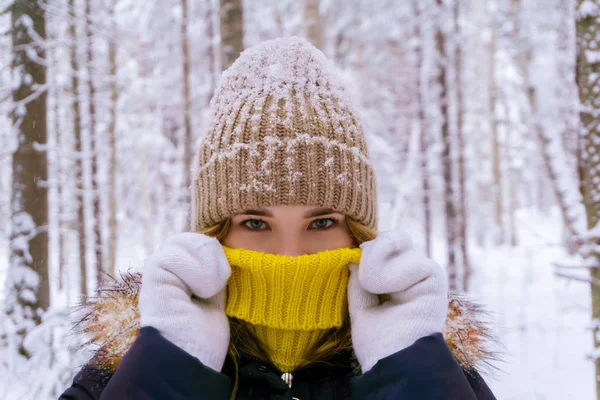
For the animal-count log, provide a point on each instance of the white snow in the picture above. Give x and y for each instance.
(541, 319)
(592, 57)
(588, 8)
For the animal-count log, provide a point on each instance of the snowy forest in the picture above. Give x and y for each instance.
(482, 118)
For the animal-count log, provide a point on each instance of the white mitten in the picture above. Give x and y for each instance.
(418, 297)
(188, 264)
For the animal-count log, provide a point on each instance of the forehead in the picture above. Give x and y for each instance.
(289, 210)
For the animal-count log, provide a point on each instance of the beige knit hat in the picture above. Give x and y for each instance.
(282, 133)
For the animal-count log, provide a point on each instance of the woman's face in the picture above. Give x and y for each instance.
(288, 230)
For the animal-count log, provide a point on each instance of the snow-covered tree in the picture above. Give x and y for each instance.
(588, 79)
(79, 147)
(27, 285)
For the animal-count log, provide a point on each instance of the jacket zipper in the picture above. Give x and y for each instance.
(274, 368)
(286, 376)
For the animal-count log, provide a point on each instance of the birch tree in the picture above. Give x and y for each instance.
(462, 217)
(497, 189)
(95, 141)
(113, 225)
(422, 87)
(447, 150)
(79, 178)
(187, 118)
(588, 79)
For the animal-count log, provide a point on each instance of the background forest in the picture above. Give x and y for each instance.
(482, 118)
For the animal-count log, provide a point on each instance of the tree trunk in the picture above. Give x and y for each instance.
(27, 285)
(516, 12)
(461, 223)
(425, 185)
(499, 234)
(453, 278)
(80, 186)
(59, 166)
(514, 234)
(511, 177)
(113, 227)
(210, 49)
(146, 208)
(60, 195)
(588, 73)
(232, 31)
(187, 112)
(567, 198)
(313, 25)
(95, 148)
(423, 142)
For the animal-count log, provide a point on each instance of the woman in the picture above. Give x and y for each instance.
(283, 289)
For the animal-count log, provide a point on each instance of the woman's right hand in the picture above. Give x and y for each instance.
(187, 264)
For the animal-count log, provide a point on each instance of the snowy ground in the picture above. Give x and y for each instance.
(541, 319)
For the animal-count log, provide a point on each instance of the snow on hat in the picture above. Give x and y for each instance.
(282, 133)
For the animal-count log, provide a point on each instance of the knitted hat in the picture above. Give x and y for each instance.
(282, 133)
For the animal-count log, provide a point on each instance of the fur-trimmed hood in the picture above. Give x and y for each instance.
(108, 323)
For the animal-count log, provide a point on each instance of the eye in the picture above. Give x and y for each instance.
(324, 223)
(260, 225)
(253, 224)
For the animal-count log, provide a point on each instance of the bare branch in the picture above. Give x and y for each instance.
(38, 91)
(588, 279)
(581, 266)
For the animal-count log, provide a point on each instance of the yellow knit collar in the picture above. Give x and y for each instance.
(290, 301)
(304, 292)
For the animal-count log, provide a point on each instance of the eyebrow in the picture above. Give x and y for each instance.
(312, 213)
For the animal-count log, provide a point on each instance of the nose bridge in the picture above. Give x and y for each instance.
(290, 245)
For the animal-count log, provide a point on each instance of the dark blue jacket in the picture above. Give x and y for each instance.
(155, 368)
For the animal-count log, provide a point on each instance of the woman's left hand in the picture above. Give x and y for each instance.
(417, 304)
